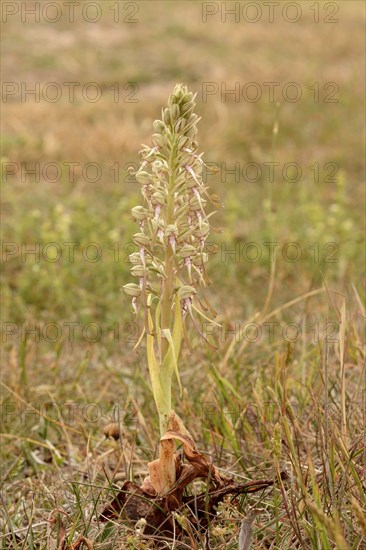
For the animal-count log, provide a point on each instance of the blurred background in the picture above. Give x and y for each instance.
(281, 96)
(98, 86)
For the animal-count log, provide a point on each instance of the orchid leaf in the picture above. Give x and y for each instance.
(171, 357)
(160, 396)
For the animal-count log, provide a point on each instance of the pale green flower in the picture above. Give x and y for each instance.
(173, 229)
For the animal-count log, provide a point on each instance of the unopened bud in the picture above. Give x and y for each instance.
(186, 158)
(185, 230)
(187, 251)
(202, 231)
(200, 259)
(138, 271)
(174, 112)
(135, 258)
(179, 125)
(158, 126)
(158, 140)
(166, 116)
(182, 142)
(185, 292)
(173, 98)
(193, 119)
(141, 239)
(187, 109)
(187, 98)
(196, 203)
(171, 230)
(191, 132)
(143, 177)
(132, 290)
(139, 213)
(158, 198)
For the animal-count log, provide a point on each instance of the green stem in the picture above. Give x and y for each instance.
(166, 301)
(167, 297)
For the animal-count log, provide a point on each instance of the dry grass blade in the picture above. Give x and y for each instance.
(342, 348)
(246, 530)
(79, 542)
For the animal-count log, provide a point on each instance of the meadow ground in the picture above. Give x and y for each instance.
(286, 387)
